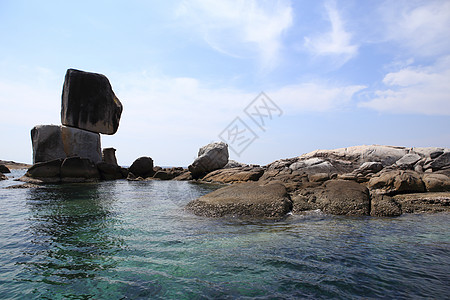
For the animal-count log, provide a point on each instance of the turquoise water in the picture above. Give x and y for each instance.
(134, 240)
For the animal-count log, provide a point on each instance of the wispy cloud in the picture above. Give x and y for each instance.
(421, 27)
(419, 90)
(241, 28)
(337, 42)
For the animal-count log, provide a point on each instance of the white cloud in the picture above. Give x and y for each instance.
(422, 27)
(337, 42)
(313, 96)
(419, 90)
(241, 28)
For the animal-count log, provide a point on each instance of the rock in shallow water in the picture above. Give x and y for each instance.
(142, 167)
(244, 200)
(88, 102)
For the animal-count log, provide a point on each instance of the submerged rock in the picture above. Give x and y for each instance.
(245, 200)
(88, 102)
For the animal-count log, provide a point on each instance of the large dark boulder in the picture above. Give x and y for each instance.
(44, 172)
(142, 167)
(48, 169)
(110, 171)
(210, 157)
(4, 169)
(245, 200)
(59, 142)
(77, 169)
(88, 102)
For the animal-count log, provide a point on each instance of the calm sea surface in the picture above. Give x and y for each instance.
(134, 240)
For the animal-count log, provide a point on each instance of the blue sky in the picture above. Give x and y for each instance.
(342, 73)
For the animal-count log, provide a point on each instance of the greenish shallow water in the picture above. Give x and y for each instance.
(134, 240)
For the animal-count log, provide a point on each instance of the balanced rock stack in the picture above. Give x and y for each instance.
(89, 107)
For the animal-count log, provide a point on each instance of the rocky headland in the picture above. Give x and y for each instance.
(372, 180)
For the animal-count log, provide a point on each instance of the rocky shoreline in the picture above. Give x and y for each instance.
(379, 181)
(364, 180)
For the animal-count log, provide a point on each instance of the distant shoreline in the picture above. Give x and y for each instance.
(12, 165)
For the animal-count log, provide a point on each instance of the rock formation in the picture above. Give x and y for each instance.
(72, 152)
(142, 167)
(362, 180)
(88, 102)
(4, 169)
(210, 157)
(54, 141)
(246, 200)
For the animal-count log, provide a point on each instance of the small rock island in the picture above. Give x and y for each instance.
(368, 180)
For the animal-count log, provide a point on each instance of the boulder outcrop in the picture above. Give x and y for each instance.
(232, 175)
(52, 142)
(89, 103)
(109, 156)
(210, 157)
(71, 169)
(142, 167)
(337, 197)
(245, 200)
(396, 182)
(4, 169)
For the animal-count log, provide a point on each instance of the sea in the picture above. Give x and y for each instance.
(134, 240)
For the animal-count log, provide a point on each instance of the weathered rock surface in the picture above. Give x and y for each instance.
(210, 157)
(142, 167)
(89, 103)
(337, 197)
(71, 169)
(408, 161)
(424, 202)
(396, 182)
(232, 175)
(4, 169)
(384, 206)
(52, 142)
(46, 172)
(234, 164)
(111, 171)
(436, 182)
(77, 169)
(109, 156)
(169, 173)
(440, 162)
(245, 200)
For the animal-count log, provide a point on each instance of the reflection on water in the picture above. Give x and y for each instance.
(135, 240)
